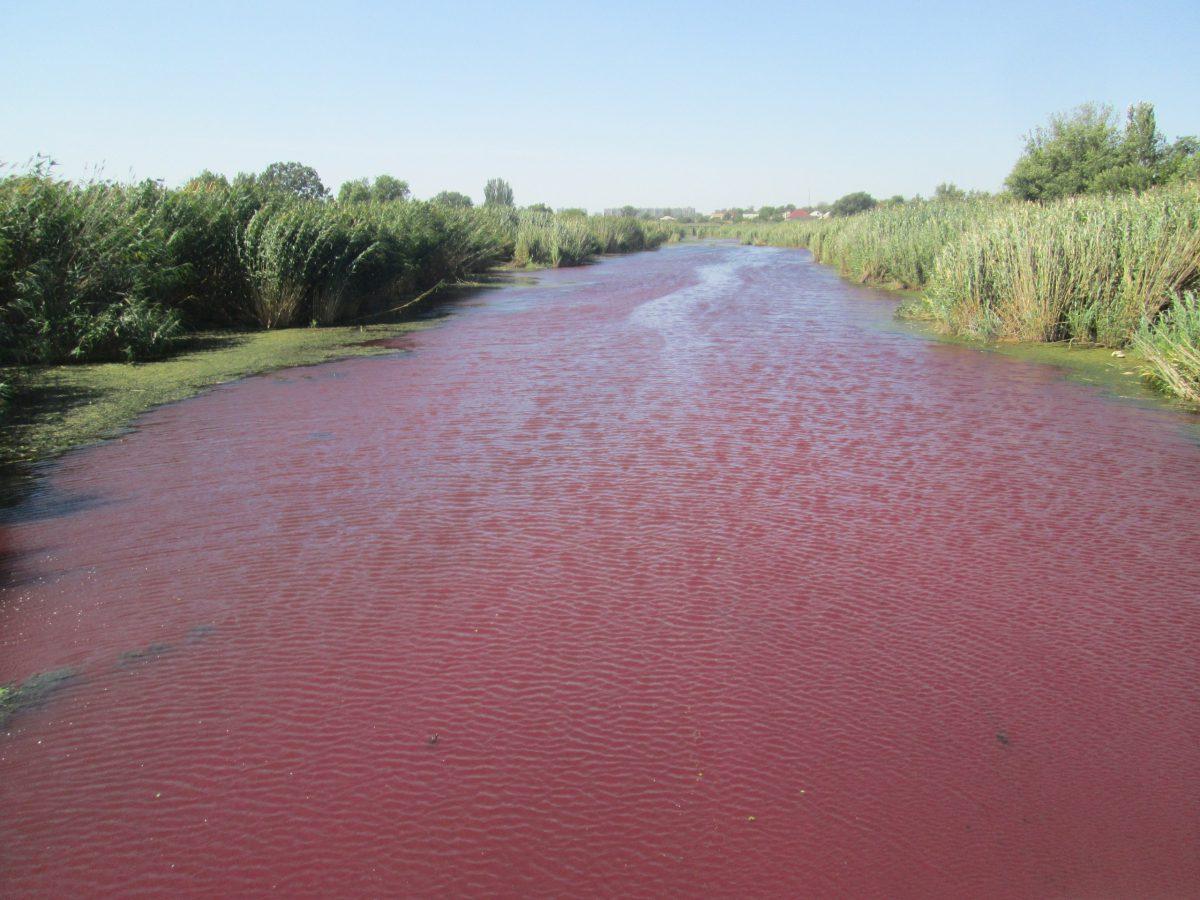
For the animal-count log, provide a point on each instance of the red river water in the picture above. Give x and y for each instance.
(683, 574)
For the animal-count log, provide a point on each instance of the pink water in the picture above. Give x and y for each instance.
(706, 579)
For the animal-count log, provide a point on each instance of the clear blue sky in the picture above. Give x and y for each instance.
(708, 104)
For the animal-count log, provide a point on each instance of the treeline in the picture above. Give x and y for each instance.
(108, 271)
(1087, 151)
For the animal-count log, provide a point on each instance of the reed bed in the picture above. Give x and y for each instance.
(1171, 347)
(1110, 270)
(1090, 269)
(107, 271)
(895, 246)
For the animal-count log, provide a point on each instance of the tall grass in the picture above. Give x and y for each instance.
(1099, 269)
(311, 260)
(82, 271)
(1171, 346)
(112, 271)
(1087, 269)
(893, 245)
(545, 239)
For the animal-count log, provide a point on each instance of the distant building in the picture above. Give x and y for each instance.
(667, 219)
(798, 214)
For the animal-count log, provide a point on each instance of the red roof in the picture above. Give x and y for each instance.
(799, 214)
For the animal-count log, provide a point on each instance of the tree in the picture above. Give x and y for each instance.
(453, 199)
(629, 212)
(573, 212)
(852, 204)
(539, 208)
(948, 190)
(497, 192)
(1088, 151)
(1066, 156)
(293, 178)
(356, 191)
(384, 188)
(388, 188)
(1182, 161)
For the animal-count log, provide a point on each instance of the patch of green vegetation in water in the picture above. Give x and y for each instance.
(35, 690)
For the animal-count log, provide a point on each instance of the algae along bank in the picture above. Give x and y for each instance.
(685, 573)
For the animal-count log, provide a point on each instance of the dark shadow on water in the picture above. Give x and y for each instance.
(25, 496)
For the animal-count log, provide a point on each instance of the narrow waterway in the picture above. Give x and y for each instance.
(682, 574)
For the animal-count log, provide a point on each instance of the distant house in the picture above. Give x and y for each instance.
(718, 215)
(798, 214)
(667, 219)
(750, 215)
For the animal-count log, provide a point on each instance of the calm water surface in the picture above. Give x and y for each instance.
(680, 574)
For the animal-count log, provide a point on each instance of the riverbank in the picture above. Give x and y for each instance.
(60, 408)
(1118, 271)
(1124, 374)
(104, 272)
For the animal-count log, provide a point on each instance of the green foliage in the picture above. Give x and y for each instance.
(357, 190)
(1171, 346)
(853, 204)
(497, 192)
(80, 272)
(546, 239)
(1111, 270)
(294, 179)
(1087, 269)
(106, 271)
(199, 226)
(893, 244)
(948, 191)
(453, 199)
(384, 189)
(311, 262)
(1088, 152)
